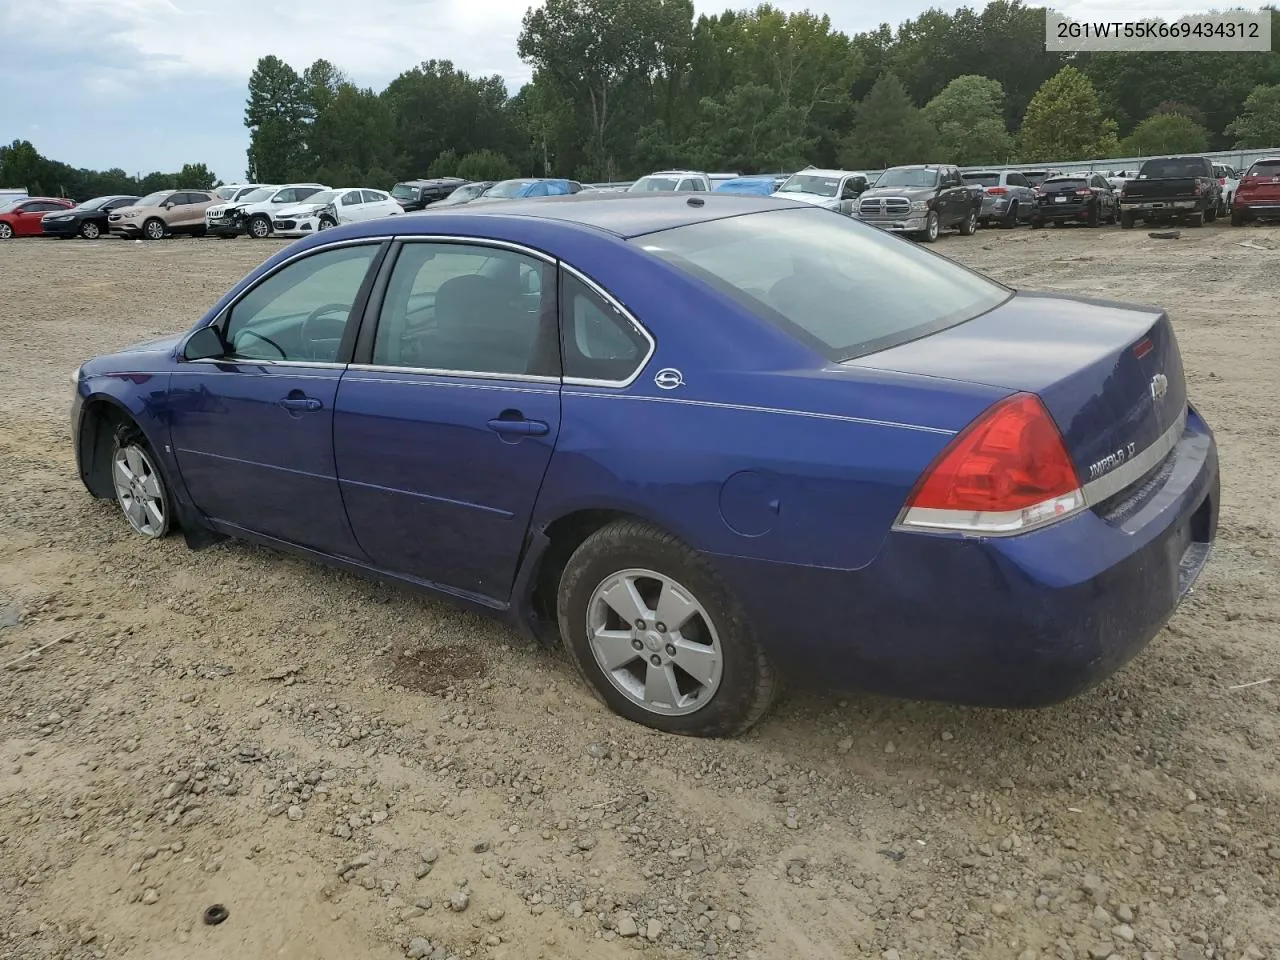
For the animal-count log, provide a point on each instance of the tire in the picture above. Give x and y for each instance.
(1037, 223)
(153, 229)
(969, 225)
(1126, 221)
(1010, 219)
(1210, 215)
(325, 224)
(90, 230)
(931, 228)
(259, 227)
(141, 491)
(739, 684)
(1237, 218)
(1197, 220)
(1094, 217)
(6, 231)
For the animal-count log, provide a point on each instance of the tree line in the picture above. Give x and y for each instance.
(622, 87)
(21, 165)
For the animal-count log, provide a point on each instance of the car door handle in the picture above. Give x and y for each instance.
(519, 428)
(300, 403)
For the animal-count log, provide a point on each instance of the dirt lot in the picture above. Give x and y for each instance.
(344, 766)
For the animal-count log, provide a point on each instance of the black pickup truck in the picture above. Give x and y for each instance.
(1171, 188)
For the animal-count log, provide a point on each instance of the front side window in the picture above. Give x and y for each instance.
(599, 342)
(468, 309)
(831, 282)
(351, 198)
(300, 313)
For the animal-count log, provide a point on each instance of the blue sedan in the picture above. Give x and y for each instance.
(710, 443)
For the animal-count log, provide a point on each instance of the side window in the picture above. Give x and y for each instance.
(468, 309)
(286, 196)
(373, 196)
(300, 312)
(1018, 180)
(686, 186)
(182, 199)
(351, 198)
(302, 193)
(598, 342)
(850, 189)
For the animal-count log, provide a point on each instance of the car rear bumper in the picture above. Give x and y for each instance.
(1258, 208)
(1052, 212)
(1023, 621)
(1143, 208)
(993, 207)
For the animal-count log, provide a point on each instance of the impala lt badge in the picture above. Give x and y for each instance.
(1159, 387)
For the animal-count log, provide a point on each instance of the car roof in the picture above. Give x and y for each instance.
(824, 172)
(421, 181)
(625, 215)
(672, 173)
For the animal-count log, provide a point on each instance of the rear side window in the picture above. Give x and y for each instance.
(1265, 168)
(372, 196)
(831, 282)
(599, 342)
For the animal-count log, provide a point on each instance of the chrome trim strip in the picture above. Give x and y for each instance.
(436, 372)
(750, 408)
(473, 241)
(253, 362)
(613, 301)
(1131, 471)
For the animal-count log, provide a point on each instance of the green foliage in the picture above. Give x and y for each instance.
(1259, 123)
(1064, 121)
(22, 166)
(969, 117)
(445, 165)
(1165, 133)
(486, 165)
(888, 129)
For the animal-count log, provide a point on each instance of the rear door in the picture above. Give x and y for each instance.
(29, 218)
(350, 207)
(448, 417)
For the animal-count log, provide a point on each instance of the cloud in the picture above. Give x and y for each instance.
(153, 84)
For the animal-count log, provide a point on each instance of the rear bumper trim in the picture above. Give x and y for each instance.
(1131, 471)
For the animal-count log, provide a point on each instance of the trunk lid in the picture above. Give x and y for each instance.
(1262, 183)
(1165, 188)
(1110, 374)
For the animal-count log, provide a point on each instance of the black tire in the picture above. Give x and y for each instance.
(90, 230)
(1037, 223)
(6, 231)
(748, 682)
(1094, 217)
(259, 227)
(1126, 221)
(1010, 219)
(1237, 218)
(326, 223)
(128, 435)
(154, 229)
(1196, 219)
(932, 227)
(1210, 214)
(969, 225)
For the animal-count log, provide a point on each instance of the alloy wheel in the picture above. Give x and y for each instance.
(6, 231)
(655, 642)
(154, 230)
(89, 230)
(140, 491)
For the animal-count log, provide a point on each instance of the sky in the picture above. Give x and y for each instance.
(150, 85)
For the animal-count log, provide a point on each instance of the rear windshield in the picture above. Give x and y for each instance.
(402, 191)
(1265, 168)
(1063, 182)
(1173, 167)
(654, 185)
(809, 183)
(831, 282)
(986, 179)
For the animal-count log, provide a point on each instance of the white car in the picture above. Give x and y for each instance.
(332, 207)
(253, 213)
(672, 181)
(1228, 180)
(231, 192)
(836, 190)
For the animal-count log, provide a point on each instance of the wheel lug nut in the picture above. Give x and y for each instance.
(660, 627)
(637, 644)
(671, 649)
(639, 624)
(656, 660)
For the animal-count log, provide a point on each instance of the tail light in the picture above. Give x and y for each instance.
(996, 191)
(1199, 187)
(1006, 473)
(1084, 192)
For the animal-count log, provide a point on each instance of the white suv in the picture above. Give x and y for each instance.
(253, 212)
(672, 181)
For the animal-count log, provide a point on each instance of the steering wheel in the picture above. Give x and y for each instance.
(267, 340)
(308, 332)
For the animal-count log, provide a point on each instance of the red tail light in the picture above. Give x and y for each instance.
(997, 190)
(1007, 472)
(1086, 192)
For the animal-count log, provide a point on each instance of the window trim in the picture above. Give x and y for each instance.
(358, 307)
(627, 315)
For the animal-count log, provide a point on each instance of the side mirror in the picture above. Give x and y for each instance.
(205, 344)
(167, 205)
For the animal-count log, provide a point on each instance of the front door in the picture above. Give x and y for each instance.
(443, 433)
(253, 430)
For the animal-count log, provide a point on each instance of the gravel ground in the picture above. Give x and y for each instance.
(354, 770)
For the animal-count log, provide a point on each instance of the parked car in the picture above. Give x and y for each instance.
(836, 190)
(231, 192)
(253, 213)
(526, 187)
(88, 220)
(161, 214)
(939, 463)
(420, 194)
(1084, 198)
(1258, 196)
(1228, 182)
(1037, 177)
(465, 193)
(921, 200)
(329, 208)
(1171, 189)
(672, 181)
(757, 186)
(23, 216)
(1119, 178)
(1007, 196)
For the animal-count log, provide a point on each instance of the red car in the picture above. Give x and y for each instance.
(1258, 196)
(21, 218)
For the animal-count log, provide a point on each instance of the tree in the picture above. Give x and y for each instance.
(1166, 133)
(888, 129)
(1259, 123)
(1064, 121)
(275, 114)
(486, 165)
(751, 128)
(969, 117)
(351, 139)
(445, 165)
(195, 175)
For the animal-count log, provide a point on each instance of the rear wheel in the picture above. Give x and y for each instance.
(658, 637)
(969, 226)
(1093, 218)
(1010, 219)
(140, 489)
(1237, 218)
(1126, 221)
(90, 230)
(1037, 223)
(1196, 219)
(6, 231)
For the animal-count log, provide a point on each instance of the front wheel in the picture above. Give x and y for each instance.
(140, 489)
(325, 223)
(931, 227)
(153, 229)
(90, 230)
(969, 226)
(259, 227)
(658, 637)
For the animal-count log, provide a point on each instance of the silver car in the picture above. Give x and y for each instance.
(1007, 197)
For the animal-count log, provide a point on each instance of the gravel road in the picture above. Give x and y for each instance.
(354, 770)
